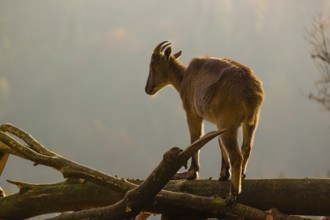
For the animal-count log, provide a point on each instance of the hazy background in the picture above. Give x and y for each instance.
(72, 73)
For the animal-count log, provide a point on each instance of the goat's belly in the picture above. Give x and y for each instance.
(215, 112)
(208, 113)
(210, 118)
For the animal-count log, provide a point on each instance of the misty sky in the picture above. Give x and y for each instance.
(72, 73)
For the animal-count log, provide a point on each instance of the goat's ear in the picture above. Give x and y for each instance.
(177, 55)
(168, 52)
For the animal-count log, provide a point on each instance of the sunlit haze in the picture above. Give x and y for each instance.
(72, 74)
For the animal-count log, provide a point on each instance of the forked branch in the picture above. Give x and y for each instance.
(136, 197)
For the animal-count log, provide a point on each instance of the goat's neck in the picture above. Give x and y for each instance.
(178, 70)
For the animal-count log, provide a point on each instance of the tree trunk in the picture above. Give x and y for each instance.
(290, 196)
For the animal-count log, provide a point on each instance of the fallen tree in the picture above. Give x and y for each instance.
(93, 194)
(310, 198)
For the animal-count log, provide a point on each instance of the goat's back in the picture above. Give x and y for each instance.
(220, 87)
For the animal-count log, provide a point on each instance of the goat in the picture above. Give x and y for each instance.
(219, 90)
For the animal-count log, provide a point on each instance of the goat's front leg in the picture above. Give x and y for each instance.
(195, 124)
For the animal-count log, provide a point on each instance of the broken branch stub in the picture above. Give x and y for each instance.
(135, 199)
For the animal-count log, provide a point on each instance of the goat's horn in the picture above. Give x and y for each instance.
(164, 46)
(159, 46)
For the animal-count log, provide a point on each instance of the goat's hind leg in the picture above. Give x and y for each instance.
(224, 172)
(229, 140)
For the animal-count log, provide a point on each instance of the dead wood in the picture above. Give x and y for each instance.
(132, 197)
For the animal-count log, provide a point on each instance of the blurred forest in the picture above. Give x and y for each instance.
(72, 73)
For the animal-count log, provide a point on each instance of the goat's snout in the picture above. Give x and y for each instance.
(149, 89)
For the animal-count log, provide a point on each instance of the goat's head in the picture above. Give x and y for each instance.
(160, 68)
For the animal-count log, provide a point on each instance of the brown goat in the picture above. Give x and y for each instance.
(218, 90)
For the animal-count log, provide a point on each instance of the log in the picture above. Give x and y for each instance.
(290, 196)
(33, 200)
(306, 196)
(135, 199)
(212, 206)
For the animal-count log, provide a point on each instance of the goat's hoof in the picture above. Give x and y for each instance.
(192, 175)
(180, 176)
(231, 199)
(223, 178)
(2, 193)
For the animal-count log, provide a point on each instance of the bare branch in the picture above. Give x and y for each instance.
(66, 167)
(319, 42)
(73, 195)
(135, 197)
(27, 138)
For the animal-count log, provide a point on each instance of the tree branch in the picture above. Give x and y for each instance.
(33, 200)
(46, 157)
(316, 36)
(135, 199)
(306, 197)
